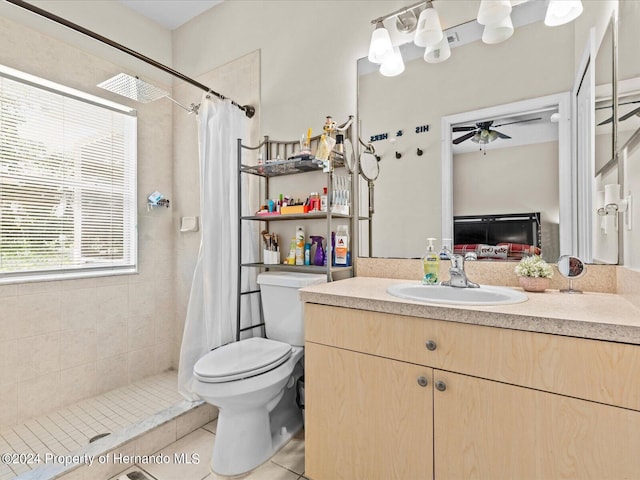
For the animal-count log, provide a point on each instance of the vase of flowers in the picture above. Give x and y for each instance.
(534, 274)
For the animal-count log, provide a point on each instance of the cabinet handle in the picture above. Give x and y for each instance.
(440, 385)
(422, 381)
(431, 345)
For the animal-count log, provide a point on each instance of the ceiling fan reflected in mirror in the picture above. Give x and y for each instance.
(626, 116)
(483, 132)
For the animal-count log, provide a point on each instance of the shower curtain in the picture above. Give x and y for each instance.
(211, 312)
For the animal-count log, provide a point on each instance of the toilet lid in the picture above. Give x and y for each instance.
(242, 359)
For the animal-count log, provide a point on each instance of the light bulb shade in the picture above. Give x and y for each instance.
(429, 31)
(493, 11)
(498, 32)
(560, 12)
(438, 53)
(393, 64)
(484, 136)
(380, 45)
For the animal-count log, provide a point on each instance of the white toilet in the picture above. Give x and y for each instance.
(253, 381)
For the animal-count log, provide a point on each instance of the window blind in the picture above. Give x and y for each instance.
(67, 183)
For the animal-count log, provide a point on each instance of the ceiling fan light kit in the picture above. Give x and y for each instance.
(495, 15)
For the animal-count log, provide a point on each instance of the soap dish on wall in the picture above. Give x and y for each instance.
(156, 199)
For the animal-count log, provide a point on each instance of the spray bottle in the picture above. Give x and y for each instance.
(318, 258)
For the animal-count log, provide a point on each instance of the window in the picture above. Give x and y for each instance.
(67, 182)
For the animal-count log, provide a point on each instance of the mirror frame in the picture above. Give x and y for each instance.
(566, 201)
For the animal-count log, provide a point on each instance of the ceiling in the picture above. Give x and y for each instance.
(170, 13)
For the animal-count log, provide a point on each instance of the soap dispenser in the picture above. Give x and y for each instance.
(431, 264)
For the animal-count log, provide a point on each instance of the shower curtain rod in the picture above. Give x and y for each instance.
(249, 110)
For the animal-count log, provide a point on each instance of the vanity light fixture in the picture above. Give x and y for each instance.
(498, 32)
(380, 45)
(393, 63)
(560, 12)
(429, 31)
(493, 11)
(438, 53)
(495, 15)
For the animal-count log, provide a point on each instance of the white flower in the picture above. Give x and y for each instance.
(534, 266)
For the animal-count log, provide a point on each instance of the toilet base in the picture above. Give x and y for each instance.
(246, 438)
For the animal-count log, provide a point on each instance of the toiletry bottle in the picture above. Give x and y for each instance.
(300, 237)
(445, 251)
(291, 259)
(431, 264)
(323, 200)
(307, 254)
(341, 246)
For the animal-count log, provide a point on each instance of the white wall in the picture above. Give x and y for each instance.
(507, 180)
(108, 18)
(308, 50)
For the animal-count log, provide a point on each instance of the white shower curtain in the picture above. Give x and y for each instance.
(211, 313)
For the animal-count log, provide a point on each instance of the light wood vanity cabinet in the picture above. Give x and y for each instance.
(497, 404)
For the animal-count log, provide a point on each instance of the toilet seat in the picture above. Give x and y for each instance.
(242, 359)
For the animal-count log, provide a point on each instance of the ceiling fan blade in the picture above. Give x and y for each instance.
(630, 114)
(463, 129)
(519, 121)
(502, 135)
(464, 137)
(622, 118)
(620, 104)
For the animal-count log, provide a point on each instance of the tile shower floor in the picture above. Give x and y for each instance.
(71, 428)
(287, 464)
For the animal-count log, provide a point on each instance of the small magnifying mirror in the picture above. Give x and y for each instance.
(571, 268)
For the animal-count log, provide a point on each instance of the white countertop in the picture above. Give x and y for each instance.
(599, 316)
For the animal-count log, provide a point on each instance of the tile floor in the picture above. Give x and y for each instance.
(287, 464)
(70, 428)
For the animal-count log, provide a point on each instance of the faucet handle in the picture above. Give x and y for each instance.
(457, 261)
(471, 256)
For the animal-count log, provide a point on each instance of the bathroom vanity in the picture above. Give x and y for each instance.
(397, 389)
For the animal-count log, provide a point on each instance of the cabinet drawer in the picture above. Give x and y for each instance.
(594, 370)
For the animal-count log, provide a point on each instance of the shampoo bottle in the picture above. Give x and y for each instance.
(431, 264)
(342, 246)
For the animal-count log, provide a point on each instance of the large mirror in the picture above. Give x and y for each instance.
(516, 89)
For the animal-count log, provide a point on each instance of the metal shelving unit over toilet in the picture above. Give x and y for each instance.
(270, 168)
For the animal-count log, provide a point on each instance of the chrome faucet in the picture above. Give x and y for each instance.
(458, 277)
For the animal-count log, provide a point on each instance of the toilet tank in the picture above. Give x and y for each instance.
(281, 304)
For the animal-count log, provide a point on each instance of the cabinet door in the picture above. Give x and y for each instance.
(367, 417)
(485, 429)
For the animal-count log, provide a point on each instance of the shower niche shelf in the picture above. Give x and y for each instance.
(273, 151)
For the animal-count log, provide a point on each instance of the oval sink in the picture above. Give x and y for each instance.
(485, 295)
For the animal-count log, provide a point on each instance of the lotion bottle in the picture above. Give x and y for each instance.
(431, 264)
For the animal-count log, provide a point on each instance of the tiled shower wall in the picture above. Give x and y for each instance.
(62, 341)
